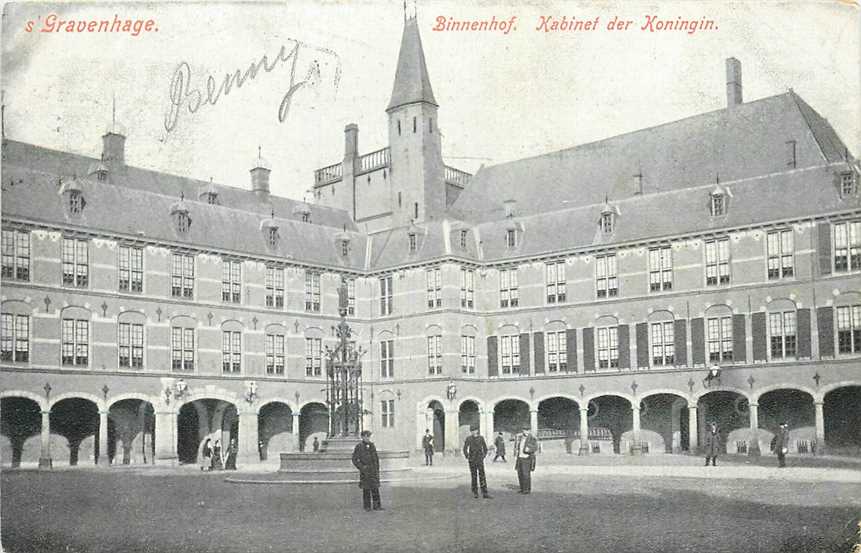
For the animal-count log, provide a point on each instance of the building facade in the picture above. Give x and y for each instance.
(614, 297)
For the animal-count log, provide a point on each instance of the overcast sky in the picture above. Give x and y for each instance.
(501, 97)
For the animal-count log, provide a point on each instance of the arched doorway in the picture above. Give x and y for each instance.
(20, 430)
(215, 419)
(275, 430)
(437, 423)
(510, 416)
(131, 439)
(313, 421)
(609, 418)
(731, 411)
(468, 416)
(77, 421)
(842, 414)
(796, 409)
(558, 423)
(664, 423)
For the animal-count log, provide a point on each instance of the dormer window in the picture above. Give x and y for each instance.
(848, 184)
(463, 235)
(607, 222)
(183, 222)
(181, 218)
(73, 196)
(306, 217)
(718, 205)
(270, 230)
(272, 237)
(412, 240)
(511, 238)
(76, 202)
(345, 248)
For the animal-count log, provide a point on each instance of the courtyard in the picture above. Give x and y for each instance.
(664, 504)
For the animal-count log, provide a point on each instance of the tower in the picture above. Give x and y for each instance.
(417, 170)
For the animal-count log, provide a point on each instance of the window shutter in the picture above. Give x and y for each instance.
(571, 343)
(624, 335)
(524, 353)
(739, 341)
(680, 336)
(824, 232)
(760, 337)
(698, 342)
(492, 357)
(538, 344)
(589, 349)
(802, 318)
(642, 345)
(825, 320)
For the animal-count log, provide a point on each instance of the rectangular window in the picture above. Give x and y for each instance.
(14, 338)
(557, 352)
(663, 344)
(387, 413)
(76, 342)
(16, 255)
(313, 356)
(231, 351)
(508, 294)
(847, 184)
(511, 238)
(387, 359)
(849, 329)
(182, 348)
(386, 295)
(661, 269)
(131, 269)
(467, 354)
(312, 291)
(434, 355)
(274, 282)
(182, 276)
(606, 281)
(463, 235)
(847, 247)
(76, 270)
(717, 262)
(467, 288)
(780, 254)
(131, 346)
(608, 347)
(231, 281)
(783, 335)
(434, 287)
(510, 349)
(719, 339)
(412, 239)
(556, 283)
(275, 354)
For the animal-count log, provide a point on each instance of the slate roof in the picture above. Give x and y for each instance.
(412, 83)
(746, 141)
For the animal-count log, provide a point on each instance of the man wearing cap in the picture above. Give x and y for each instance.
(427, 445)
(525, 446)
(366, 460)
(475, 450)
(711, 444)
(780, 444)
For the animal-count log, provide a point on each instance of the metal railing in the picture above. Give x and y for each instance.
(328, 174)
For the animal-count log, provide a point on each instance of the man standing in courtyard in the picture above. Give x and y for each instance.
(499, 444)
(711, 444)
(780, 444)
(525, 446)
(366, 460)
(427, 445)
(475, 450)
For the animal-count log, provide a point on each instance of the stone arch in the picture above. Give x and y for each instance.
(558, 421)
(611, 420)
(668, 391)
(40, 401)
(20, 428)
(537, 402)
(83, 311)
(493, 403)
(100, 404)
(276, 399)
(696, 396)
(664, 420)
(622, 395)
(841, 411)
(469, 327)
(729, 408)
(275, 427)
(828, 388)
(221, 395)
(510, 414)
(661, 315)
(17, 306)
(475, 399)
(780, 304)
(847, 297)
(131, 429)
(313, 421)
(153, 400)
(75, 428)
(554, 324)
(754, 397)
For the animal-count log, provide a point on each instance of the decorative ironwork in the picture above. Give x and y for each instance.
(105, 391)
(582, 390)
(751, 381)
(634, 386)
(817, 378)
(47, 388)
(691, 384)
(104, 307)
(344, 376)
(47, 301)
(158, 312)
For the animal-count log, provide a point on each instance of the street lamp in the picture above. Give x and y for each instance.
(712, 375)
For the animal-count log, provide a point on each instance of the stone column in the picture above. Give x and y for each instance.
(533, 422)
(820, 427)
(295, 432)
(693, 426)
(482, 425)
(584, 431)
(165, 437)
(636, 449)
(488, 423)
(452, 425)
(104, 457)
(753, 447)
(45, 461)
(248, 453)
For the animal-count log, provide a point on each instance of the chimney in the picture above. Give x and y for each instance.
(351, 141)
(638, 183)
(114, 148)
(510, 207)
(260, 177)
(733, 82)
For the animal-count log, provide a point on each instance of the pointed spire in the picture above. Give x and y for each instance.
(412, 83)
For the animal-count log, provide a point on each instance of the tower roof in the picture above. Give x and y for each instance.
(412, 83)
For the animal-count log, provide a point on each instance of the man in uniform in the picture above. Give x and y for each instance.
(499, 443)
(427, 446)
(711, 444)
(366, 460)
(780, 444)
(525, 446)
(475, 450)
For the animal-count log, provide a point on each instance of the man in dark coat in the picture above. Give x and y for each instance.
(525, 446)
(711, 444)
(780, 444)
(475, 450)
(499, 444)
(427, 446)
(366, 460)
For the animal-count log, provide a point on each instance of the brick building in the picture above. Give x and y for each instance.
(614, 296)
